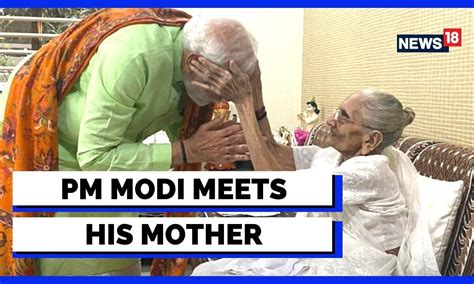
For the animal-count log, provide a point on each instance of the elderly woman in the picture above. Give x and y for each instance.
(382, 232)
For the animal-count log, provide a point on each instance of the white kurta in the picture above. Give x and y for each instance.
(371, 195)
(375, 219)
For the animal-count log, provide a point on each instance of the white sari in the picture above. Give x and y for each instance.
(381, 212)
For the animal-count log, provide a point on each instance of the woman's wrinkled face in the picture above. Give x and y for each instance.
(347, 134)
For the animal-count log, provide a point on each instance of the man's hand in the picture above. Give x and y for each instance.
(233, 85)
(217, 141)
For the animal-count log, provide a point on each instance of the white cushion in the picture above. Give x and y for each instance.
(439, 204)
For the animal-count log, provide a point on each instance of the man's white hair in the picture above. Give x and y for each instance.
(220, 41)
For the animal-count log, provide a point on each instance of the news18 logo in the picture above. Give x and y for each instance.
(429, 43)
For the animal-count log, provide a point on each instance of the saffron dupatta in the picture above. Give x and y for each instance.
(29, 140)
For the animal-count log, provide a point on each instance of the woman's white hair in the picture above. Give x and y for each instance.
(384, 112)
(220, 41)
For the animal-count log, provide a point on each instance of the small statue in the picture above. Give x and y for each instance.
(221, 109)
(311, 116)
(283, 136)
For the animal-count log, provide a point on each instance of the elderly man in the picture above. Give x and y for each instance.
(102, 87)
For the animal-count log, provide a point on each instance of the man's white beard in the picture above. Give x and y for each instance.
(198, 98)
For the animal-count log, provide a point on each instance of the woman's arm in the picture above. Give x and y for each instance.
(283, 154)
(262, 157)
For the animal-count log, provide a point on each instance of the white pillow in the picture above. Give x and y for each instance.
(439, 204)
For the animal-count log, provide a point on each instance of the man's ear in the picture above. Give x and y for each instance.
(371, 141)
(190, 57)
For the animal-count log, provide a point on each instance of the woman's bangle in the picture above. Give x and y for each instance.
(261, 113)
